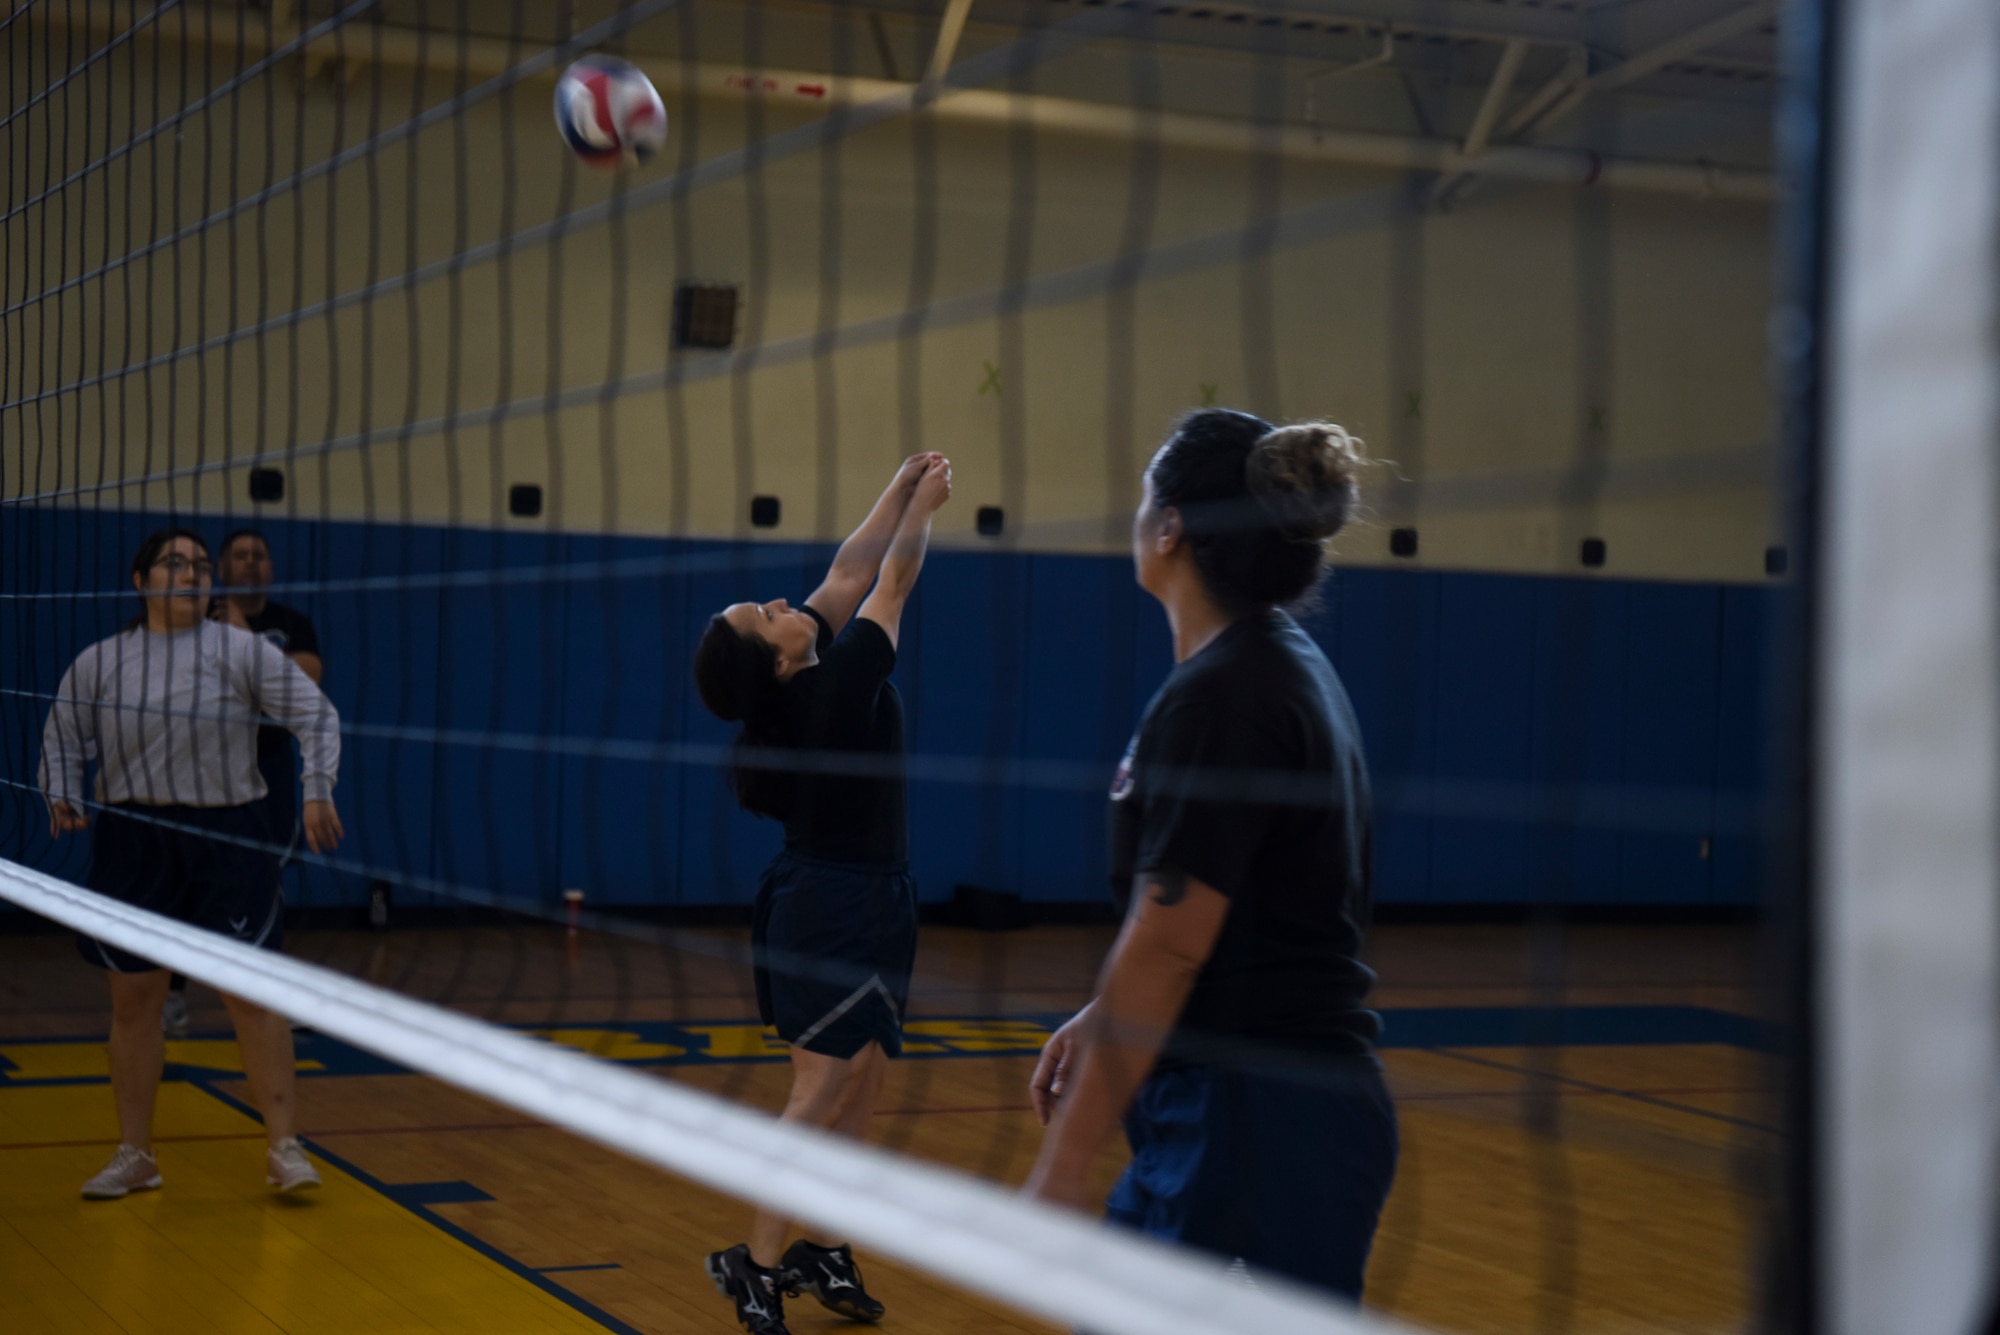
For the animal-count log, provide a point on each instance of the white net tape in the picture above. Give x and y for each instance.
(1045, 1262)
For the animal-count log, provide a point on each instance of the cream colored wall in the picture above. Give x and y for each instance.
(1506, 314)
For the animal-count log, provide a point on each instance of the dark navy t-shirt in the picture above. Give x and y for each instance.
(1247, 774)
(846, 704)
(292, 632)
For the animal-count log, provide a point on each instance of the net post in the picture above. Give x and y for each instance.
(1907, 919)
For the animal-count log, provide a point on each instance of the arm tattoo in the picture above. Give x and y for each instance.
(1169, 886)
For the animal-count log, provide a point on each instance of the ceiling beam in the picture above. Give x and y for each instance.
(1504, 74)
(1449, 18)
(949, 31)
(1654, 59)
(1691, 42)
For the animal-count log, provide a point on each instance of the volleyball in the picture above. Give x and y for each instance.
(609, 113)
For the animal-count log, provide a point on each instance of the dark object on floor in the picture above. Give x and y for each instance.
(987, 910)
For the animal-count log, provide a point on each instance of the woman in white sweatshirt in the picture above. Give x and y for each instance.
(168, 709)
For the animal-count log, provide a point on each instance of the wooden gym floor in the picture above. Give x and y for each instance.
(1604, 1179)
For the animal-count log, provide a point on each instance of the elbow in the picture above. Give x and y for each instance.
(1171, 955)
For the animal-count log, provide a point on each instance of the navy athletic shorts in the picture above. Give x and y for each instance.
(137, 857)
(279, 807)
(1286, 1170)
(833, 944)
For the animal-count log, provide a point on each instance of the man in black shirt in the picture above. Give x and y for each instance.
(244, 568)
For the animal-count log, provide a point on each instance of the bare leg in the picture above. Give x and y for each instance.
(820, 1092)
(864, 1091)
(265, 1040)
(138, 1051)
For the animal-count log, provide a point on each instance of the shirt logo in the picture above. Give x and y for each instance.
(1121, 782)
(277, 637)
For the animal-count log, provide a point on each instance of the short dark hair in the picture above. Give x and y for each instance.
(1257, 502)
(737, 678)
(234, 534)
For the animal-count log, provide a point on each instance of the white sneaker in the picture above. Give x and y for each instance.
(287, 1168)
(129, 1170)
(174, 1015)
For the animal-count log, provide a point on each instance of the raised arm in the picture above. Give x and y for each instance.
(905, 559)
(859, 559)
(68, 739)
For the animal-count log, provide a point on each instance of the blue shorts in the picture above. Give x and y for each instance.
(1287, 1170)
(833, 944)
(221, 884)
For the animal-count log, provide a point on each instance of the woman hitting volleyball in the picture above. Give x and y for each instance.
(168, 710)
(836, 917)
(1228, 1028)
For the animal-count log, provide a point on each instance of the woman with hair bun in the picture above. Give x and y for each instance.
(1228, 1028)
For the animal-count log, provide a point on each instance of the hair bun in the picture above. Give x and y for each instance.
(1306, 476)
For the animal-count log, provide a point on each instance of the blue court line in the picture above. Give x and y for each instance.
(414, 1194)
(1578, 1082)
(566, 1269)
(1572, 1027)
(478, 1244)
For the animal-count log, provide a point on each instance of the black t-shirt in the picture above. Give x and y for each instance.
(292, 632)
(846, 702)
(1247, 774)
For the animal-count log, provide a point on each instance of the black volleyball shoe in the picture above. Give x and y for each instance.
(755, 1290)
(830, 1275)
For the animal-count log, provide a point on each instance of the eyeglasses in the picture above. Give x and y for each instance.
(175, 563)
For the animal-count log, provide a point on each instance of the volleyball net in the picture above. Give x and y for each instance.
(1046, 1262)
(513, 429)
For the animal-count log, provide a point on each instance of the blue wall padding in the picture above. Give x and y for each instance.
(1532, 740)
(1485, 726)
(1672, 632)
(1744, 676)
(1388, 657)
(1580, 693)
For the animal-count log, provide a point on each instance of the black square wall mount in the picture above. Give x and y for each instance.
(524, 500)
(764, 511)
(267, 485)
(1777, 560)
(991, 521)
(1593, 552)
(704, 315)
(1402, 542)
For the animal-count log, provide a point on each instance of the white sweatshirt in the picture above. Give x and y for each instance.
(171, 717)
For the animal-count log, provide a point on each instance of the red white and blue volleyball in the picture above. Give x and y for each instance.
(609, 113)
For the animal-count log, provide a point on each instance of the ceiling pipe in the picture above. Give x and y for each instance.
(486, 57)
(1496, 98)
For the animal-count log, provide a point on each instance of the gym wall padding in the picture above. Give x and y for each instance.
(1532, 739)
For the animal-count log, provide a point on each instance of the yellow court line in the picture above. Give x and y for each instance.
(216, 1252)
(83, 1061)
